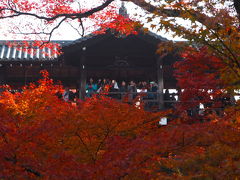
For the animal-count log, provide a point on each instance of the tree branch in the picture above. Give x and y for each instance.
(65, 15)
(153, 9)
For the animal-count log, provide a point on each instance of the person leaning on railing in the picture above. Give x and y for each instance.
(132, 90)
(114, 89)
(123, 90)
(91, 88)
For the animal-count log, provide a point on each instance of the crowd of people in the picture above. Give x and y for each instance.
(122, 90)
(130, 91)
(113, 87)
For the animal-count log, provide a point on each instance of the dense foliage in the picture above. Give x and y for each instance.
(43, 137)
(201, 78)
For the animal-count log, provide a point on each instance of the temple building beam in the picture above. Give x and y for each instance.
(2, 75)
(83, 76)
(160, 82)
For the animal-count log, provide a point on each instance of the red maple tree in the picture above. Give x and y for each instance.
(201, 78)
(43, 137)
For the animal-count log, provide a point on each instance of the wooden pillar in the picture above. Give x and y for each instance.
(2, 75)
(179, 91)
(160, 82)
(83, 77)
(25, 75)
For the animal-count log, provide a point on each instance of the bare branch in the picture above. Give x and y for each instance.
(76, 29)
(56, 27)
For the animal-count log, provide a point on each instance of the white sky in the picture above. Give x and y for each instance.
(66, 32)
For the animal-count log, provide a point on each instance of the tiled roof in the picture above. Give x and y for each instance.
(16, 52)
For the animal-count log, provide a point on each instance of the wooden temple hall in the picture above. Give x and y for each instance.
(94, 56)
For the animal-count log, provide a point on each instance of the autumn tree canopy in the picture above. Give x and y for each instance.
(43, 137)
(59, 11)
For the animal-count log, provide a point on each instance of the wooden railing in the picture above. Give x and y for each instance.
(156, 101)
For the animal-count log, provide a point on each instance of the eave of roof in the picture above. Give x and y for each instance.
(16, 53)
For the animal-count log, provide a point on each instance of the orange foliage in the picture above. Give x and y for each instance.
(43, 137)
